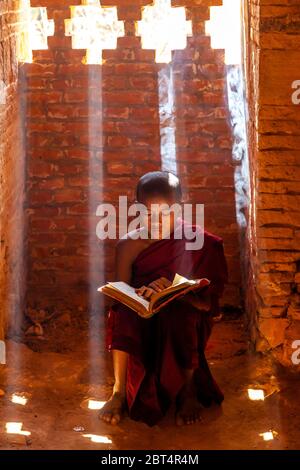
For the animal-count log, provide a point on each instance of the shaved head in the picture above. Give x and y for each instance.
(159, 183)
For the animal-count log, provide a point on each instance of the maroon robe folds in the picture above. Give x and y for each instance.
(174, 339)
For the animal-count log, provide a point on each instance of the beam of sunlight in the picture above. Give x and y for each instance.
(2, 352)
(16, 428)
(98, 439)
(95, 197)
(225, 31)
(164, 28)
(256, 394)
(167, 121)
(238, 113)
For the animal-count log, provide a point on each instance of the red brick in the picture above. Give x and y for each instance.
(75, 96)
(116, 112)
(51, 183)
(120, 168)
(36, 111)
(40, 197)
(44, 211)
(144, 114)
(40, 225)
(68, 195)
(40, 169)
(44, 97)
(78, 209)
(126, 98)
(118, 141)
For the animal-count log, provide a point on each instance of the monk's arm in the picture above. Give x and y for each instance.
(123, 265)
(209, 298)
(124, 260)
(218, 276)
(125, 255)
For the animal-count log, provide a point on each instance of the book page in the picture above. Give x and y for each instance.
(129, 291)
(178, 279)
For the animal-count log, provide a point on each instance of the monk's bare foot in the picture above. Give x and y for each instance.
(113, 410)
(188, 408)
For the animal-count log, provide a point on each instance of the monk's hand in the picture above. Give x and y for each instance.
(145, 291)
(160, 284)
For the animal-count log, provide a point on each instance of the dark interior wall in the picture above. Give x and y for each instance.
(12, 266)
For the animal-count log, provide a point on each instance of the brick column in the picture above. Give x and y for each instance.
(12, 274)
(275, 145)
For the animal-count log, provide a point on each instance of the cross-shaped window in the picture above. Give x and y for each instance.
(163, 28)
(224, 28)
(94, 28)
(35, 29)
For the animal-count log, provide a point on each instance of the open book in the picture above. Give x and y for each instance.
(126, 294)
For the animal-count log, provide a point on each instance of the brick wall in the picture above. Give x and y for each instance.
(11, 174)
(274, 55)
(93, 130)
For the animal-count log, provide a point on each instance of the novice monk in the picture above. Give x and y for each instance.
(160, 359)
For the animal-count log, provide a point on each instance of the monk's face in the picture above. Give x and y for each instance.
(159, 217)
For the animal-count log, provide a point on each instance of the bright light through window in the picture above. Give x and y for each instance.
(35, 30)
(40, 28)
(224, 28)
(163, 28)
(94, 28)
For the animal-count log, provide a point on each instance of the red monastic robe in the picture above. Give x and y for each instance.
(174, 339)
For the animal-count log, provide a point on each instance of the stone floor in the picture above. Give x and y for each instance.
(58, 379)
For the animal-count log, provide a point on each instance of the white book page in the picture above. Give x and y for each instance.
(178, 279)
(130, 291)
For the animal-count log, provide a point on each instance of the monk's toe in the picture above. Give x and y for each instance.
(113, 409)
(186, 419)
(116, 418)
(106, 417)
